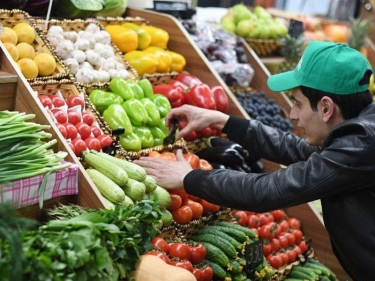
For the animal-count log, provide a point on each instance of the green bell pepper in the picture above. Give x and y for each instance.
(137, 90)
(144, 133)
(146, 87)
(136, 111)
(102, 99)
(120, 87)
(161, 125)
(130, 142)
(158, 135)
(116, 117)
(152, 110)
(162, 103)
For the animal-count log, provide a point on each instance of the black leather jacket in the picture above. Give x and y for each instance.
(341, 173)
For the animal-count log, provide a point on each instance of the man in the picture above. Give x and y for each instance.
(335, 162)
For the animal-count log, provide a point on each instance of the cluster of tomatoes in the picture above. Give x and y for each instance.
(187, 255)
(283, 239)
(76, 125)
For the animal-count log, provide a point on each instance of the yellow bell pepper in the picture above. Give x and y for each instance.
(124, 38)
(159, 37)
(142, 62)
(178, 61)
(164, 58)
(144, 39)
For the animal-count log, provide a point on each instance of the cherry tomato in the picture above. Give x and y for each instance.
(95, 131)
(241, 217)
(160, 255)
(79, 146)
(208, 273)
(182, 215)
(180, 191)
(196, 207)
(75, 100)
(183, 264)
(180, 250)
(176, 202)
(209, 207)
(278, 215)
(104, 140)
(46, 101)
(57, 101)
(159, 243)
(198, 253)
(275, 260)
(62, 130)
(60, 116)
(93, 143)
(74, 117)
(88, 118)
(71, 131)
(192, 159)
(83, 130)
(294, 223)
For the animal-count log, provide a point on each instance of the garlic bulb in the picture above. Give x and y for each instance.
(65, 49)
(79, 56)
(85, 75)
(92, 28)
(72, 65)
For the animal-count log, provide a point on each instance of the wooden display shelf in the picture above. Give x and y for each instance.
(16, 94)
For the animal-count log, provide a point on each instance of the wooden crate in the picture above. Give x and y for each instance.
(18, 95)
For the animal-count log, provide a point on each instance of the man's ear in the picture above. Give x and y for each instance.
(327, 107)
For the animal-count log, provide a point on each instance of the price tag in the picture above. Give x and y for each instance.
(295, 28)
(170, 6)
(254, 255)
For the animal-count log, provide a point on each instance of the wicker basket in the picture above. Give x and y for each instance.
(10, 18)
(264, 47)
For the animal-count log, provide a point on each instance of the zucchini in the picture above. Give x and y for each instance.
(106, 167)
(251, 234)
(133, 170)
(238, 245)
(215, 254)
(219, 272)
(134, 189)
(106, 186)
(150, 184)
(236, 234)
(219, 242)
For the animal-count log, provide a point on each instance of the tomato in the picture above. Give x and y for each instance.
(93, 143)
(284, 225)
(205, 165)
(182, 215)
(275, 244)
(291, 238)
(267, 231)
(283, 241)
(160, 244)
(294, 223)
(297, 234)
(194, 198)
(46, 101)
(198, 253)
(95, 130)
(88, 118)
(75, 100)
(183, 264)
(192, 159)
(74, 117)
(196, 207)
(62, 130)
(176, 202)
(208, 273)
(284, 257)
(71, 131)
(83, 130)
(291, 255)
(60, 115)
(278, 215)
(79, 146)
(180, 191)
(298, 250)
(57, 101)
(240, 216)
(267, 248)
(263, 219)
(104, 140)
(253, 221)
(198, 273)
(303, 246)
(269, 216)
(209, 207)
(275, 260)
(168, 156)
(180, 250)
(160, 255)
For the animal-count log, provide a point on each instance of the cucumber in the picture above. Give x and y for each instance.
(301, 275)
(134, 189)
(217, 269)
(133, 170)
(238, 277)
(235, 266)
(106, 186)
(324, 270)
(215, 254)
(331, 275)
(219, 242)
(106, 167)
(236, 234)
(252, 235)
(207, 229)
(306, 270)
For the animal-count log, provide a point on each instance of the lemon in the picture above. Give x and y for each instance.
(371, 86)
(28, 68)
(46, 64)
(25, 50)
(12, 50)
(9, 36)
(25, 32)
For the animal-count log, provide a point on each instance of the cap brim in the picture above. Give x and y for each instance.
(283, 81)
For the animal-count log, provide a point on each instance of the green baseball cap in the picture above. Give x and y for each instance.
(330, 67)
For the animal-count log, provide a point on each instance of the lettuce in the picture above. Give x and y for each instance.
(113, 8)
(72, 9)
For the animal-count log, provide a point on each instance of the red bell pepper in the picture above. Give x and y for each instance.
(200, 95)
(175, 95)
(178, 84)
(188, 79)
(221, 98)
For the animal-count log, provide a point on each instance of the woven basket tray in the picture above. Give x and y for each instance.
(265, 47)
(10, 18)
(78, 25)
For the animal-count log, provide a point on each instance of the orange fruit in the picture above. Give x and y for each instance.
(12, 50)
(28, 68)
(25, 32)
(25, 50)
(9, 36)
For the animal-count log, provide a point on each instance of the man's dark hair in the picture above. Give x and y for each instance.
(350, 105)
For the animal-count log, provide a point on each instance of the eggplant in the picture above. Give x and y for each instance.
(223, 155)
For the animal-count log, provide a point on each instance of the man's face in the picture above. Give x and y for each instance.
(311, 122)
